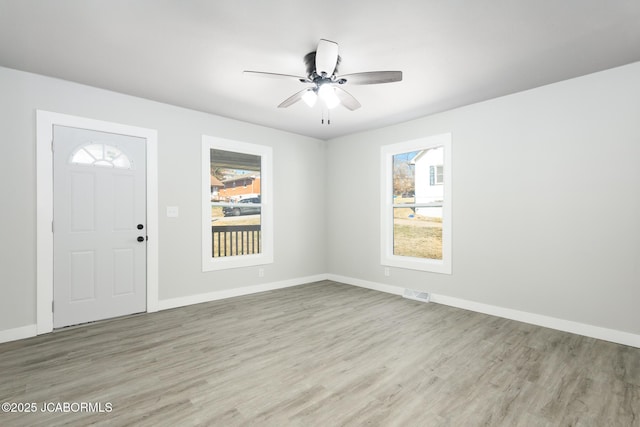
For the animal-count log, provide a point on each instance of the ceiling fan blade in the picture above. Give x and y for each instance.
(347, 99)
(372, 77)
(326, 57)
(276, 76)
(292, 99)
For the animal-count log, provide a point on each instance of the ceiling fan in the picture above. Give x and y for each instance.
(322, 66)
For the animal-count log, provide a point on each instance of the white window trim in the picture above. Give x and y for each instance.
(209, 263)
(386, 225)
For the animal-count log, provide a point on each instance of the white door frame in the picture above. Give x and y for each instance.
(45, 121)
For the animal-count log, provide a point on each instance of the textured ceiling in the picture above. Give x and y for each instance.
(191, 53)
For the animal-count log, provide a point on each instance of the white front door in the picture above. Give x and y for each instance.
(99, 223)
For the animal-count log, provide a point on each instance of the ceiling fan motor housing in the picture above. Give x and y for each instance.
(310, 64)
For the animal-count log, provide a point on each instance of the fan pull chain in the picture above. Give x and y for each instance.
(328, 117)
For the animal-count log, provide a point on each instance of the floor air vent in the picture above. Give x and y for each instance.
(416, 295)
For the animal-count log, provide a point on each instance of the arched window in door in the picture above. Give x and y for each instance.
(98, 154)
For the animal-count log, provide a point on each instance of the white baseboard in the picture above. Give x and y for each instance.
(366, 284)
(235, 292)
(18, 333)
(612, 335)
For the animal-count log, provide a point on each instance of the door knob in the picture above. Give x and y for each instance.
(140, 239)
(140, 226)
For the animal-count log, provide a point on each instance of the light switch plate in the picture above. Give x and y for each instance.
(172, 211)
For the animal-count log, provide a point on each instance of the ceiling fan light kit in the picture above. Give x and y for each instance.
(310, 97)
(322, 67)
(328, 95)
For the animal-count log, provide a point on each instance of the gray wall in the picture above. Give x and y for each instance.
(299, 248)
(546, 197)
(546, 201)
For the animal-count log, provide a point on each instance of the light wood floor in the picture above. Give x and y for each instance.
(323, 354)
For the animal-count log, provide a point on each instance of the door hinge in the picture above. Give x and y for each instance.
(52, 145)
(52, 306)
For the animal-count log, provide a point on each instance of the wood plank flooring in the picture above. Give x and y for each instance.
(322, 354)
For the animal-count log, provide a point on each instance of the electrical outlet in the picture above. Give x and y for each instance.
(387, 272)
(261, 272)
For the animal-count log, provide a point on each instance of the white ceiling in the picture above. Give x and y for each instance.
(191, 53)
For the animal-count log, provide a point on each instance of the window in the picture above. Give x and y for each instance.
(237, 214)
(416, 204)
(436, 175)
(98, 154)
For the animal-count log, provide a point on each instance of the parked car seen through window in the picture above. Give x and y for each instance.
(249, 207)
